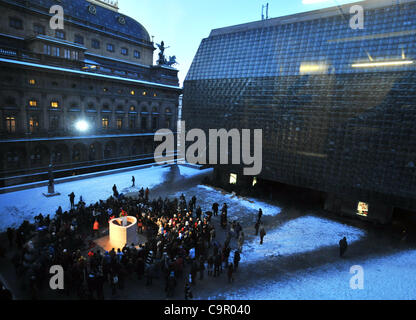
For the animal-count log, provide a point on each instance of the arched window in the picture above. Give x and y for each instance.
(144, 117)
(155, 118)
(33, 124)
(33, 103)
(168, 118)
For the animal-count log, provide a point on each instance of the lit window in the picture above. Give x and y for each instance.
(144, 93)
(32, 81)
(154, 95)
(105, 123)
(33, 103)
(54, 104)
(11, 124)
(132, 92)
(362, 209)
(132, 108)
(254, 181)
(233, 178)
(105, 89)
(33, 124)
(119, 123)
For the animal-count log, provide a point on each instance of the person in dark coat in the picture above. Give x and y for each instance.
(230, 273)
(262, 234)
(194, 270)
(224, 209)
(72, 199)
(215, 209)
(201, 268)
(115, 192)
(198, 212)
(10, 236)
(171, 284)
(217, 265)
(133, 180)
(260, 214)
(257, 227)
(343, 246)
(236, 259)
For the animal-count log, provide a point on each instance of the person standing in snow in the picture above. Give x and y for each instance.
(241, 241)
(72, 199)
(146, 194)
(115, 192)
(236, 259)
(217, 265)
(133, 180)
(343, 246)
(230, 272)
(257, 227)
(224, 209)
(260, 214)
(262, 234)
(215, 209)
(10, 236)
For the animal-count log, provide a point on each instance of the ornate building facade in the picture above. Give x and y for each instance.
(337, 105)
(98, 69)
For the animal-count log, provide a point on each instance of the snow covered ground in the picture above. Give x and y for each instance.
(238, 207)
(385, 278)
(248, 203)
(23, 205)
(303, 234)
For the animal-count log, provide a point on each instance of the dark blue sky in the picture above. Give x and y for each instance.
(182, 24)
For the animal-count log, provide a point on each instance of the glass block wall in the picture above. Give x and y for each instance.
(337, 106)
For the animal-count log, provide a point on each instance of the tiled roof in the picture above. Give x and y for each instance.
(104, 19)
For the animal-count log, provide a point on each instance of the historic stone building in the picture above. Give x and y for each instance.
(337, 105)
(98, 69)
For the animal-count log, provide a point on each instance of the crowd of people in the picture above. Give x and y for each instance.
(181, 243)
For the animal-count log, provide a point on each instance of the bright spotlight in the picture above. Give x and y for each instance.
(82, 125)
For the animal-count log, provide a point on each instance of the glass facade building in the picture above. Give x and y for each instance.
(337, 105)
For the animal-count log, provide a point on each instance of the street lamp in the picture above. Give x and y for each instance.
(82, 125)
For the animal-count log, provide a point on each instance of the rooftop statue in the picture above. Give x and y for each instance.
(162, 59)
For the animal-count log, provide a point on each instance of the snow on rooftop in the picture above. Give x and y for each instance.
(297, 236)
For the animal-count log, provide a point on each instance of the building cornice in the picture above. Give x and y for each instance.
(87, 74)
